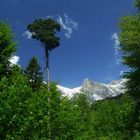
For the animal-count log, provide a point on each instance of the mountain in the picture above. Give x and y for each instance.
(96, 91)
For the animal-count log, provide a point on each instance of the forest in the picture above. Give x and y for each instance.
(31, 109)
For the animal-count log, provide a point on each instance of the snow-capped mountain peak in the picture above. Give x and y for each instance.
(95, 90)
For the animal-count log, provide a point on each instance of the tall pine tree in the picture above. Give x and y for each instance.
(45, 30)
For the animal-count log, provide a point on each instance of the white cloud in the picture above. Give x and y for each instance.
(122, 72)
(68, 25)
(27, 34)
(116, 47)
(14, 60)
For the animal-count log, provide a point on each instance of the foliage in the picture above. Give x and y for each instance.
(7, 47)
(137, 4)
(25, 115)
(130, 46)
(13, 97)
(34, 74)
(44, 30)
(110, 118)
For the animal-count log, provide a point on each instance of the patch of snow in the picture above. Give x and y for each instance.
(68, 91)
(97, 97)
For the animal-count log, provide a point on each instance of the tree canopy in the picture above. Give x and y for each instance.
(7, 48)
(44, 30)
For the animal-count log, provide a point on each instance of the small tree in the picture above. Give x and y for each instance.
(44, 30)
(34, 74)
(7, 47)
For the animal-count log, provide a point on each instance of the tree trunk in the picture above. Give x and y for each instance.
(49, 100)
(47, 69)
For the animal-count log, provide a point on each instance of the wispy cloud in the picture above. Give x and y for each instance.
(68, 25)
(116, 47)
(27, 34)
(14, 60)
(121, 72)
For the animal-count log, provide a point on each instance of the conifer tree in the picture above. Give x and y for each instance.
(44, 30)
(7, 47)
(130, 46)
(34, 74)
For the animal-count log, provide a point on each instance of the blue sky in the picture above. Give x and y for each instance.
(89, 38)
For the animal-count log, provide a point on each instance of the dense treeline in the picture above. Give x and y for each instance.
(23, 114)
(24, 98)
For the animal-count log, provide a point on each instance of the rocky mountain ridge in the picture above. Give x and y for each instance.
(96, 91)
